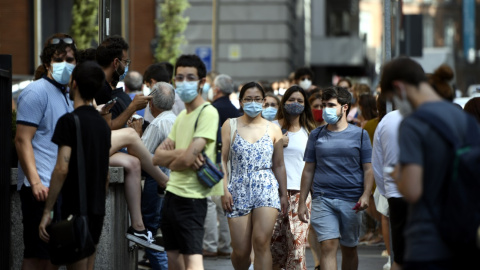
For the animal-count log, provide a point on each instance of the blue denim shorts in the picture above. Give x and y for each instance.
(334, 218)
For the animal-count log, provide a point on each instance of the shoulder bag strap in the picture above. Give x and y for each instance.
(81, 169)
(198, 117)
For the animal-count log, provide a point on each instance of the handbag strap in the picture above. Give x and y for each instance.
(81, 169)
(198, 117)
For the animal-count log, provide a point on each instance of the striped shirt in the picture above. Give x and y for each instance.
(40, 105)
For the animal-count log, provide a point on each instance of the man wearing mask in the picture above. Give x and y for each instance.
(185, 205)
(304, 77)
(338, 164)
(112, 56)
(40, 105)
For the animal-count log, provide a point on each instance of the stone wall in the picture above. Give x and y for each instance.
(113, 249)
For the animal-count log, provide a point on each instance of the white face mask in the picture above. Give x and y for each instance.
(210, 94)
(305, 84)
(403, 105)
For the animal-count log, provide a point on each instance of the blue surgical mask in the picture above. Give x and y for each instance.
(187, 91)
(269, 113)
(330, 115)
(61, 72)
(294, 109)
(124, 74)
(206, 87)
(252, 109)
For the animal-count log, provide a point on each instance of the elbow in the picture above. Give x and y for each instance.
(61, 171)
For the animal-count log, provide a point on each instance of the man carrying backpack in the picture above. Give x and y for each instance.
(429, 139)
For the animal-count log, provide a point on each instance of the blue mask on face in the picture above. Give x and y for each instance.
(330, 115)
(187, 90)
(124, 74)
(269, 113)
(206, 87)
(61, 72)
(252, 109)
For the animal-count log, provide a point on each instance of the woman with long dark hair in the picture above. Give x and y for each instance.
(256, 177)
(290, 234)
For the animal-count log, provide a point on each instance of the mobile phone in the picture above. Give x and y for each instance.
(357, 206)
(111, 101)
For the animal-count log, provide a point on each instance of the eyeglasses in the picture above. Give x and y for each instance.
(66, 40)
(189, 78)
(127, 61)
(266, 105)
(257, 100)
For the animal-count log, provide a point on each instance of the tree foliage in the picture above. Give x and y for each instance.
(170, 29)
(84, 27)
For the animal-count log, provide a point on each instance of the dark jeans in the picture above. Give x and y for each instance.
(152, 204)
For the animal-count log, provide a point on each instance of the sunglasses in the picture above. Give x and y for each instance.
(66, 40)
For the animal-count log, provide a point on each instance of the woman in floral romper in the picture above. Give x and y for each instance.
(256, 189)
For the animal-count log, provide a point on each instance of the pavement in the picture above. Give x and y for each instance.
(369, 257)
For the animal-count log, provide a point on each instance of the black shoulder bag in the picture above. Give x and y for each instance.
(209, 174)
(70, 239)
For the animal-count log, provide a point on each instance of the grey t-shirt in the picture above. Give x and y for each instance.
(421, 145)
(338, 158)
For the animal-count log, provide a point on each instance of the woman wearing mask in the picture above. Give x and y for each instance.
(270, 107)
(290, 234)
(256, 178)
(315, 102)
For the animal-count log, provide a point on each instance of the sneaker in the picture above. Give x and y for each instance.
(388, 265)
(143, 238)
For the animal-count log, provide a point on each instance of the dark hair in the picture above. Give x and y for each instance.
(368, 105)
(401, 69)
(192, 60)
(381, 105)
(169, 68)
(50, 49)
(39, 72)
(473, 107)
(340, 93)
(86, 55)
(345, 80)
(89, 77)
(158, 72)
(249, 85)
(303, 71)
(111, 48)
(306, 117)
(439, 81)
(314, 96)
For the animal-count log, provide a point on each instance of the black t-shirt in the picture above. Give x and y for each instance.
(96, 146)
(123, 100)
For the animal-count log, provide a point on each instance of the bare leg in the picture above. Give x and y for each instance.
(127, 137)
(241, 234)
(328, 254)
(314, 245)
(263, 220)
(193, 261)
(386, 232)
(349, 258)
(175, 260)
(133, 189)
(35, 263)
(83, 264)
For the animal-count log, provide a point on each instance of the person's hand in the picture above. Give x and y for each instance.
(302, 212)
(199, 161)
(168, 145)
(40, 192)
(227, 201)
(104, 109)
(363, 203)
(284, 204)
(285, 139)
(42, 228)
(140, 101)
(136, 124)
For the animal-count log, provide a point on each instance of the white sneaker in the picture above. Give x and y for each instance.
(387, 265)
(251, 267)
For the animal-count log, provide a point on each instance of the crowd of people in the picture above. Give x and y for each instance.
(301, 163)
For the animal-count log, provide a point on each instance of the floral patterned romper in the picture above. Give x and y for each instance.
(252, 183)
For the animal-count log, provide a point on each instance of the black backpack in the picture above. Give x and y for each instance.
(459, 218)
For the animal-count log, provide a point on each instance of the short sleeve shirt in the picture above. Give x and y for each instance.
(339, 159)
(40, 105)
(96, 140)
(185, 183)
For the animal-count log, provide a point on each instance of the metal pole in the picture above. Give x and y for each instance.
(398, 18)
(104, 10)
(214, 34)
(387, 33)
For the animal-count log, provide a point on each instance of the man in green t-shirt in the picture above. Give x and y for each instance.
(185, 205)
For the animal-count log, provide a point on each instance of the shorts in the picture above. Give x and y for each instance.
(32, 211)
(398, 219)
(334, 218)
(182, 223)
